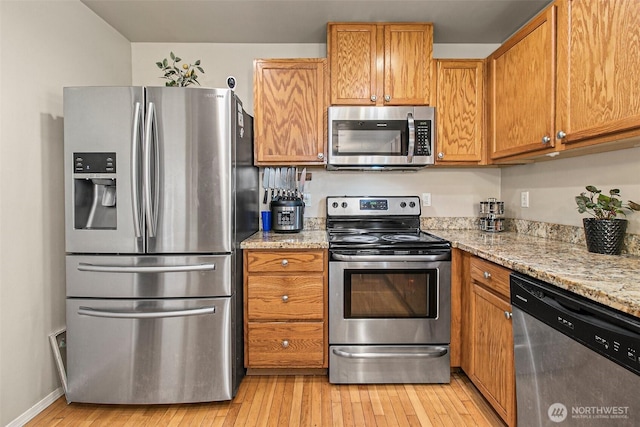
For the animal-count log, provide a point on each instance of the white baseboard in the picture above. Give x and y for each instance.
(37, 408)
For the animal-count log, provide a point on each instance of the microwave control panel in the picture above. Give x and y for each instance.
(423, 139)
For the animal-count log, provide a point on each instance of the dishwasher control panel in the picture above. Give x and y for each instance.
(613, 334)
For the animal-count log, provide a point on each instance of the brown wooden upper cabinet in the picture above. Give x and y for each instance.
(598, 55)
(290, 111)
(380, 64)
(460, 112)
(568, 79)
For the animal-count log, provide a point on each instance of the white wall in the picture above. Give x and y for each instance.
(45, 45)
(552, 185)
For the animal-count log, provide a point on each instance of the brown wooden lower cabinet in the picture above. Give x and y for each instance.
(487, 337)
(285, 307)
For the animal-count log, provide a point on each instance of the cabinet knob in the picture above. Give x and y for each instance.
(546, 139)
(320, 156)
(487, 275)
(285, 344)
(374, 98)
(285, 298)
(441, 155)
(284, 262)
(508, 315)
(387, 98)
(561, 135)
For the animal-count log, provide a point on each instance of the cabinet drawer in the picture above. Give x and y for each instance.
(285, 345)
(285, 261)
(491, 275)
(291, 297)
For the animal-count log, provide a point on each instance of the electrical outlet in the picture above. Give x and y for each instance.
(426, 199)
(524, 199)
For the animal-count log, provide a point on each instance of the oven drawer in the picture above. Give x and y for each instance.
(491, 275)
(273, 297)
(285, 261)
(285, 345)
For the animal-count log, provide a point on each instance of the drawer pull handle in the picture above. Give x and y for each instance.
(508, 315)
(285, 344)
(285, 298)
(284, 262)
(487, 275)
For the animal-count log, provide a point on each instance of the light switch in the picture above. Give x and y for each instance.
(524, 199)
(426, 199)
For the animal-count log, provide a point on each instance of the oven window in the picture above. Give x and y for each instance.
(375, 294)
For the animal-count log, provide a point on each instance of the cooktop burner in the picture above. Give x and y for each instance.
(359, 238)
(400, 238)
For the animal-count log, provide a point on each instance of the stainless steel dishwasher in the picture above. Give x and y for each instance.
(577, 362)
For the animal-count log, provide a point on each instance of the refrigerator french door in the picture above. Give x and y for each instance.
(160, 190)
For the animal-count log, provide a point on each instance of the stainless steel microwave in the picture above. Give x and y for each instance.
(382, 138)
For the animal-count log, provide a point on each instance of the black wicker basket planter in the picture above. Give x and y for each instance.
(604, 236)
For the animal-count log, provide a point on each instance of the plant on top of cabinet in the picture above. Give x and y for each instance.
(289, 111)
(380, 64)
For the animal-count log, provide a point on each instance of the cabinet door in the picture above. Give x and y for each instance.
(493, 363)
(290, 110)
(408, 53)
(459, 102)
(353, 53)
(598, 68)
(522, 90)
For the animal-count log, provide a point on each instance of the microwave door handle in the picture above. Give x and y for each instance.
(412, 137)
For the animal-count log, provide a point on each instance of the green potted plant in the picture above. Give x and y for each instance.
(180, 76)
(604, 232)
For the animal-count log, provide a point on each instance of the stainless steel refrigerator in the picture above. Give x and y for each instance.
(160, 191)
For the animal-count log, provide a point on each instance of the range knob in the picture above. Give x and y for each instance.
(344, 205)
(334, 205)
(403, 204)
(412, 204)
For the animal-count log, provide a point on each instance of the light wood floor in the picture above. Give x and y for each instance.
(297, 401)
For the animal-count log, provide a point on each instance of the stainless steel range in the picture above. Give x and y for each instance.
(389, 293)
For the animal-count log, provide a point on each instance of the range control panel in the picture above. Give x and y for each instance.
(373, 206)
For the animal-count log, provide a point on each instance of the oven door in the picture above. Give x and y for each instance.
(389, 302)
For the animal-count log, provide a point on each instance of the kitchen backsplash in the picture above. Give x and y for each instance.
(545, 230)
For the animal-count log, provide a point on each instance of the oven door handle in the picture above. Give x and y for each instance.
(391, 258)
(436, 352)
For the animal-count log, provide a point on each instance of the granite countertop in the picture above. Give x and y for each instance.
(610, 280)
(306, 239)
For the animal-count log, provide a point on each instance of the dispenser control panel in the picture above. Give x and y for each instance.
(94, 163)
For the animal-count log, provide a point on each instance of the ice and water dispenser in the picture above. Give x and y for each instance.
(94, 182)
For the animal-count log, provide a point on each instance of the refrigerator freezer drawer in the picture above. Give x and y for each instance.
(109, 276)
(149, 351)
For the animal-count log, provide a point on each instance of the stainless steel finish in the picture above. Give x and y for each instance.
(561, 135)
(390, 258)
(486, 274)
(384, 331)
(374, 98)
(278, 182)
(285, 298)
(285, 344)
(441, 155)
(378, 162)
(389, 364)
(412, 137)
(166, 276)
(394, 353)
(111, 361)
(508, 315)
(348, 206)
(387, 98)
(284, 262)
(265, 185)
(546, 139)
(89, 311)
(154, 300)
(320, 156)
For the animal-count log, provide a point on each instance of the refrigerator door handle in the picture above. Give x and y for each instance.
(135, 169)
(92, 312)
(150, 171)
(145, 269)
